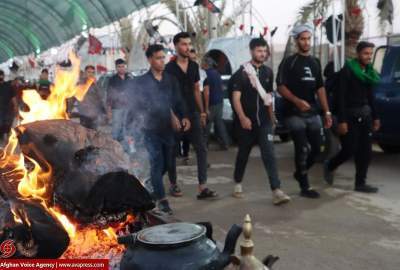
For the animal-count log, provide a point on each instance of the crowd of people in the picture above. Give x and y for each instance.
(166, 110)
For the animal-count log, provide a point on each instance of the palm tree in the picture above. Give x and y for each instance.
(197, 20)
(354, 18)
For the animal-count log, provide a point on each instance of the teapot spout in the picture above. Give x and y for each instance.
(230, 244)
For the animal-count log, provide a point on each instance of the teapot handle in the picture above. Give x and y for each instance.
(209, 229)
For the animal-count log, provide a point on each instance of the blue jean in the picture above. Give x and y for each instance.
(215, 118)
(160, 150)
(307, 135)
(119, 117)
(263, 136)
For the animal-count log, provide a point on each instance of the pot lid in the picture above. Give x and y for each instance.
(171, 234)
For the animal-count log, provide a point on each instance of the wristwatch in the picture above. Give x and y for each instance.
(328, 113)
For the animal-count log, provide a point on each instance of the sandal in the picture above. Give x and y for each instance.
(207, 194)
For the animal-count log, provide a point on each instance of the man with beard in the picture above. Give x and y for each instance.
(186, 72)
(156, 98)
(299, 81)
(252, 85)
(8, 106)
(357, 117)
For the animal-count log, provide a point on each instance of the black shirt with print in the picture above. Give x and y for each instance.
(187, 81)
(252, 104)
(302, 76)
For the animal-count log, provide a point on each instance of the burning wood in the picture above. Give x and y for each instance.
(35, 232)
(90, 178)
(64, 185)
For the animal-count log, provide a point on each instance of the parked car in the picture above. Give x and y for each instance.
(387, 94)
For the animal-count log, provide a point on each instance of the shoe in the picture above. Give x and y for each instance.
(366, 188)
(163, 206)
(207, 194)
(328, 175)
(238, 191)
(279, 197)
(310, 193)
(175, 191)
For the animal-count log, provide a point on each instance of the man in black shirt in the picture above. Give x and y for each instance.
(187, 74)
(157, 101)
(357, 117)
(252, 101)
(117, 101)
(8, 106)
(299, 80)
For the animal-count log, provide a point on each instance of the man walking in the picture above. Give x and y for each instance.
(357, 117)
(157, 100)
(117, 100)
(187, 73)
(299, 80)
(214, 103)
(252, 101)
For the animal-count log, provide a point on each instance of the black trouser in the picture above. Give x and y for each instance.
(307, 135)
(356, 143)
(197, 139)
(263, 137)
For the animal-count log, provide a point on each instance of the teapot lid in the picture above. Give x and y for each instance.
(171, 234)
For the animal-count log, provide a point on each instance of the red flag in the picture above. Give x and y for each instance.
(101, 69)
(265, 31)
(356, 11)
(209, 5)
(317, 21)
(95, 46)
(32, 62)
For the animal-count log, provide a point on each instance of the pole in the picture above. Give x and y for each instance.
(335, 52)
(343, 32)
(251, 13)
(184, 19)
(177, 11)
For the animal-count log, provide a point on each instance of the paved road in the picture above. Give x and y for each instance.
(342, 230)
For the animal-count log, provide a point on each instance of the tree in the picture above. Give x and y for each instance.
(354, 18)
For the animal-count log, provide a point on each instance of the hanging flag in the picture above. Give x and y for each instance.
(265, 31)
(317, 21)
(208, 4)
(101, 69)
(95, 46)
(274, 31)
(32, 62)
(356, 11)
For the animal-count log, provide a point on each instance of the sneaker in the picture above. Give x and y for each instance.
(310, 193)
(238, 191)
(328, 175)
(279, 197)
(175, 191)
(163, 206)
(366, 188)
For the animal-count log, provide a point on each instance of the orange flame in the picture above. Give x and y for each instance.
(34, 183)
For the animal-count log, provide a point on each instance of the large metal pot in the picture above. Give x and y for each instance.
(177, 246)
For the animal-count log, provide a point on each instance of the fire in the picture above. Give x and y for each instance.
(55, 106)
(68, 225)
(34, 176)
